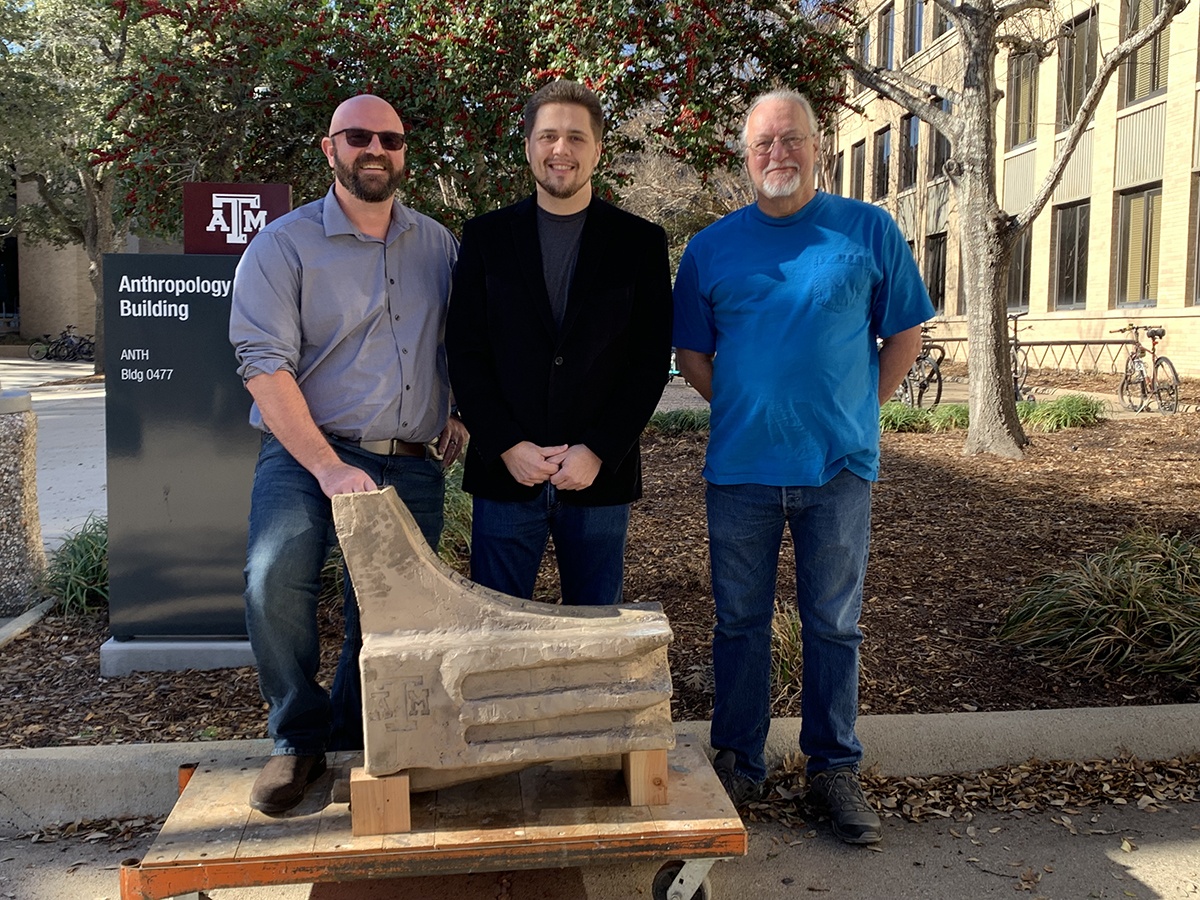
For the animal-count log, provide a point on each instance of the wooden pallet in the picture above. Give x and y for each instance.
(566, 814)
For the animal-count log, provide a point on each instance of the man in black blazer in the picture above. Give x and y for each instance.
(559, 341)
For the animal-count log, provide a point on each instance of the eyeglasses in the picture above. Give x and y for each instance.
(361, 137)
(791, 144)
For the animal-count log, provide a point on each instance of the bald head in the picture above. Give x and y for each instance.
(365, 111)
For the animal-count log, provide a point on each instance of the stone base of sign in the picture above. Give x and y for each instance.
(460, 682)
(119, 658)
(22, 556)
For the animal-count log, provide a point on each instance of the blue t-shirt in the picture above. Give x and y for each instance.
(792, 308)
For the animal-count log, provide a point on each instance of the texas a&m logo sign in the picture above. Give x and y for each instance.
(221, 218)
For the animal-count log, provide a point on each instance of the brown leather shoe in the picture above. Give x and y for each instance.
(281, 783)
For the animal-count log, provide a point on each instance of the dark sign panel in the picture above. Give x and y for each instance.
(180, 452)
(221, 218)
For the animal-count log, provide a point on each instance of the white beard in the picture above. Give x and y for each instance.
(776, 188)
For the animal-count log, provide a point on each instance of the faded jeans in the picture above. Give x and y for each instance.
(830, 527)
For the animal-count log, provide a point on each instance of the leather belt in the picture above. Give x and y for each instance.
(392, 447)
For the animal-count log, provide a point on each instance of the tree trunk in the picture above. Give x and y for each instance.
(986, 238)
(101, 235)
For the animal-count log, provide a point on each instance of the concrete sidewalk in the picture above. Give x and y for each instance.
(994, 855)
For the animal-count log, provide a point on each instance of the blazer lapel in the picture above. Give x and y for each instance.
(528, 251)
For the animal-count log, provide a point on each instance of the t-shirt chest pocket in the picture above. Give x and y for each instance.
(842, 281)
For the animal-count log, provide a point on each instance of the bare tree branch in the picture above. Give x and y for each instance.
(1006, 9)
(917, 95)
(68, 222)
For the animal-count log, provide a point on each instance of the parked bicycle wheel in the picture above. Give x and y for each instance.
(926, 380)
(904, 392)
(1166, 385)
(1022, 368)
(38, 350)
(1132, 391)
(87, 350)
(62, 351)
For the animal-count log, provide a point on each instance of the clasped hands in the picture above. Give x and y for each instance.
(567, 467)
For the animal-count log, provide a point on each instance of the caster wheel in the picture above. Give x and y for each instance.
(666, 877)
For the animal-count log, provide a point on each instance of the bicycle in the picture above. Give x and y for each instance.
(67, 347)
(1019, 360)
(40, 349)
(1141, 385)
(922, 385)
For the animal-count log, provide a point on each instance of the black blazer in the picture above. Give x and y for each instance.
(516, 377)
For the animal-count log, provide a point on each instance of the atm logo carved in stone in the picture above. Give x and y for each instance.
(238, 216)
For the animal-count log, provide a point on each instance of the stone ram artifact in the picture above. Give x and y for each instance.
(461, 682)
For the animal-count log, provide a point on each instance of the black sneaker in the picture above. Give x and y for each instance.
(839, 791)
(741, 790)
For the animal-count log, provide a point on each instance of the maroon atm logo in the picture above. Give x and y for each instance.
(221, 218)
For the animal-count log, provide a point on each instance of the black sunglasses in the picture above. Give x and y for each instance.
(361, 137)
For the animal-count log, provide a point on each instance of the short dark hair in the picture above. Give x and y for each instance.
(564, 91)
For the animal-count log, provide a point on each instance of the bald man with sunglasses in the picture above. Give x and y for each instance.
(338, 314)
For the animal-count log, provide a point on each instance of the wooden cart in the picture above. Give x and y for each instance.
(572, 813)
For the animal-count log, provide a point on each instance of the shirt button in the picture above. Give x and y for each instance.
(408, 387)
(397, 318)
(403, 349)
(405, 424)
(391, 281)
(558, 360)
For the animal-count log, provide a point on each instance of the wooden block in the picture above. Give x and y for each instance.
(646, 777)
(379, 805)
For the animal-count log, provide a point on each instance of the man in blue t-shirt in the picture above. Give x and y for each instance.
(779, 310)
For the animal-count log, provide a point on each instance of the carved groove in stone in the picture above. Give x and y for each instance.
(460, 682)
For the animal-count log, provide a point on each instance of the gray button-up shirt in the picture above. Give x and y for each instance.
(358, 321)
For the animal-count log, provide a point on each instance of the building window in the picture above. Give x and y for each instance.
(883, 159)
(1018, 273)
(910, 132)
(1140, 212)
(941, 21)
(858, 168)
(837, 174)
(935, 271)
(886, 58)
(914, 26)
(1021, 122)
(941, 148)
(864, 52)
(1146, 68)
(1071, 255)
(1077, 50)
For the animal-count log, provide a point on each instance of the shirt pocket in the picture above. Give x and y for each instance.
(843, 281)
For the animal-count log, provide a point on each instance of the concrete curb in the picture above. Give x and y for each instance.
(62, 784)
(22, 623)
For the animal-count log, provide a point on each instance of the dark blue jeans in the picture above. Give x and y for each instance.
(291, 533)
(508, 540)
(830, 528)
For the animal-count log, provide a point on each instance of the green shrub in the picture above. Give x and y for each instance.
(77, 576)
(1067, 411)
(948, 417)
(896, 416)
(678, 421)
(1135, 607)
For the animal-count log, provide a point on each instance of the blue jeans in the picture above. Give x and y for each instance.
(508, 540)
(831, 527)
(291, 533)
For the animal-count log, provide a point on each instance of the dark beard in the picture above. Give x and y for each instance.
(370, 192)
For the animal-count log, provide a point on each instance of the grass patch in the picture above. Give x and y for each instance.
(1136, 607)
(948, 416)
(77, 576)
(1067, 411)
(896, 416)
(455, 545)
(787, 655)
(678, 421)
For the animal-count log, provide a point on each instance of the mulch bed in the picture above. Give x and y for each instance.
(955, 540)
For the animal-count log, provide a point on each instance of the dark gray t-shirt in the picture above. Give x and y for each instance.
(559, 237)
